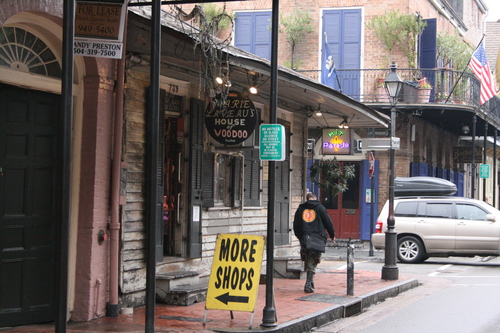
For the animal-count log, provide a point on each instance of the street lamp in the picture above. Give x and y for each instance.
(390, 271)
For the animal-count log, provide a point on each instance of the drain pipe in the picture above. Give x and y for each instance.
(112, 307)
(240, 154)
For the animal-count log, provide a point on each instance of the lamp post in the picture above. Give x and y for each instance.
(390, 271)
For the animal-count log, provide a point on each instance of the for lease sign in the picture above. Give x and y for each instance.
(235, 275)
(99, 26)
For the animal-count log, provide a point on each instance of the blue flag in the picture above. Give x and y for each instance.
(328, 72)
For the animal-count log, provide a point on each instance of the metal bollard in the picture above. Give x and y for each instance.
(350, 268)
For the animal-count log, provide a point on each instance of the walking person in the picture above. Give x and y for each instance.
(309, 225)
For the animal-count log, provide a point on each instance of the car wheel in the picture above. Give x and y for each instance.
(410, 250)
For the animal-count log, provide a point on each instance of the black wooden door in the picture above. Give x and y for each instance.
(29, 204)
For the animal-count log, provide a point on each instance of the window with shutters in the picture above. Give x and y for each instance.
(224, 171)
(222, 177)
(252, 33)
(342, 31)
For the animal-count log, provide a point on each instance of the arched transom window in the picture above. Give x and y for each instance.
(23, 51)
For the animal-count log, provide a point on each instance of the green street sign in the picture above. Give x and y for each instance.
(484, 171)
(272, 142)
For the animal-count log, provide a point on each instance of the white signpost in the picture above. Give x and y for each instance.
(272, 142)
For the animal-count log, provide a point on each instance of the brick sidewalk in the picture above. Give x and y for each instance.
(295, 310)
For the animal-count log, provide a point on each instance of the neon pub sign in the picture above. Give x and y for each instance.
(336, 141)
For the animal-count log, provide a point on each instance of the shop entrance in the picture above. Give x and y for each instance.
(344, 208)
(172, 188)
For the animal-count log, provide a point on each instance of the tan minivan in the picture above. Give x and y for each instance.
(440, 226)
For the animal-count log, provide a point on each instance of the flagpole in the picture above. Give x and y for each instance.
(462, 74)
(338, 81)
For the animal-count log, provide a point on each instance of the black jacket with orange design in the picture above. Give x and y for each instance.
(311, 218)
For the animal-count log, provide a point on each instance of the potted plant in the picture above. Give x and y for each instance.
(296, 26)
(398, 32)
(441, 97)
(382, 95)
(424, 90)
(330, 176)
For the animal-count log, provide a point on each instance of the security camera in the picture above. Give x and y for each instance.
(465, 129)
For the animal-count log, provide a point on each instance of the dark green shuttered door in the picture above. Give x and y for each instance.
(30, 185)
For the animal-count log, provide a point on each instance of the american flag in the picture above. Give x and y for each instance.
(481, 68)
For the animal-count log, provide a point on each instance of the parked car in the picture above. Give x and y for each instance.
(440, 226)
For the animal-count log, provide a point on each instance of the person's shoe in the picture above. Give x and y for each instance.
(309, 286)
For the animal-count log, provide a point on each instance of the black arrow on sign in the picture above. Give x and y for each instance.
(226, 298)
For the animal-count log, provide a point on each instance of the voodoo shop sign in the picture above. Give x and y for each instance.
(235, 275)
(231, 121)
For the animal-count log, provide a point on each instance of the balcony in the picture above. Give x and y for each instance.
(454, 94)
(366, 86)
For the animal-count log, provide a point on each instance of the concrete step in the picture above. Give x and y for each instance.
(184, 295)
(289, 268)
(171, 280)
(343, 242)
(179, 288)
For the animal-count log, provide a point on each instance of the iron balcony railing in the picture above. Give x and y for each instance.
(366, 85)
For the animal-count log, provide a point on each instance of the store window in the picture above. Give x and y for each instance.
(223, 174)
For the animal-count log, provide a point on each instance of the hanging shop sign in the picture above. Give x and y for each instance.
(234, 279)
(464, 154)
(99, 26)
(232, 121)
(336, 141)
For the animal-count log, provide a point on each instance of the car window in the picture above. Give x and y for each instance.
(471, 212)
(440, 210)
(406, 209)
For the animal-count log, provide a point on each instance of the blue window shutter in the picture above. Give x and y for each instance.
(262, 36)
(243, 31)
(428, 52)
(428, 38)
(459, 181)
(343, 31)
(419, 169)
(365, 228)
(252, 33)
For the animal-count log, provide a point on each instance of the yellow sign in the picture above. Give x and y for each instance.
(234, 280)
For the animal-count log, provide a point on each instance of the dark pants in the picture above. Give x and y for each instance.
(310, 257)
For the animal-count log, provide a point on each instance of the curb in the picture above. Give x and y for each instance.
(334, 312)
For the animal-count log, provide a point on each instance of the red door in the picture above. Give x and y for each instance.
(344, 208)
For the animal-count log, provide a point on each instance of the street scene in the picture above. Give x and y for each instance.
(243, 165)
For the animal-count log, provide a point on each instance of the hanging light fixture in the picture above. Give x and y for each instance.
(318, 112)
(253, 86)
(219, 80)
(344, 123)
(223, 77)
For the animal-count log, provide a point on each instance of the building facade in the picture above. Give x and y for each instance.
(430, 130)
(206, 187)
